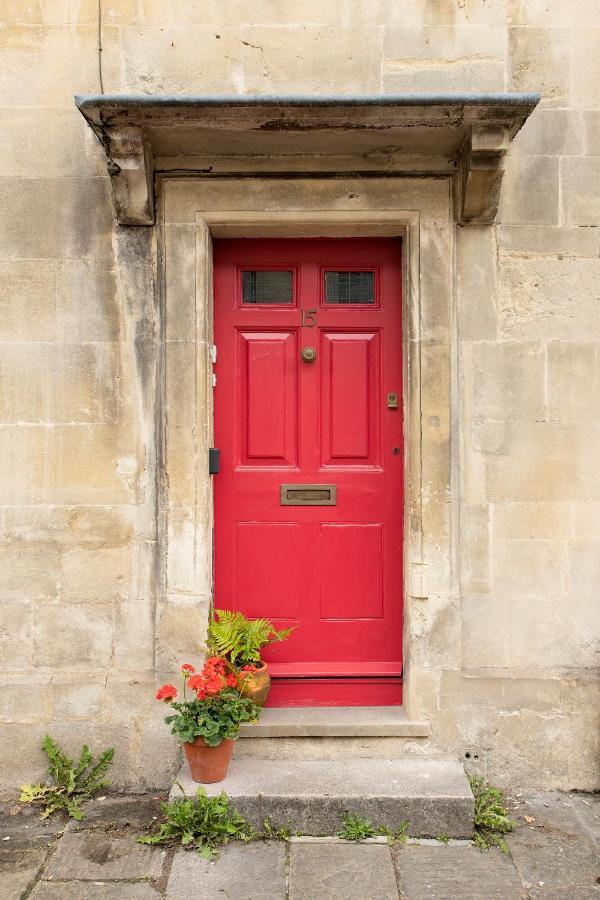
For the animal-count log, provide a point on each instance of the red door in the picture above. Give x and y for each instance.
(308, 419)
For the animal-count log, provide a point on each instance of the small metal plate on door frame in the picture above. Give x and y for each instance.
(308, 495)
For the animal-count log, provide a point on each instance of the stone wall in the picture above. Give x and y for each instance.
(84, 629)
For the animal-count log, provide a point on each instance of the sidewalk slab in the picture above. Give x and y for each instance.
(97, 855)
(241, 872)
(313, 796)
(18, 870)
(456, 873)
(555, 849)
(341, 872)
(93, 890)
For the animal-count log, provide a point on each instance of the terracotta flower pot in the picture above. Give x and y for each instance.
(255, 685)
(208, 764)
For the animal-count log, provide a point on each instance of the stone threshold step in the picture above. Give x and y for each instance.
(312, 796)
(335, 721)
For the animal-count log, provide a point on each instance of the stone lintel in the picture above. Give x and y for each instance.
(435, 134)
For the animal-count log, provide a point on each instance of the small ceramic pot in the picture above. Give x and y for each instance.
(208, 764)
(255, 686)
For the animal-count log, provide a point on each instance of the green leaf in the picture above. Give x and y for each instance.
(84, 761)
(32, 792)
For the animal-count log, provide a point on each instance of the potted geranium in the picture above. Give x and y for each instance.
(239, 641)
(207, 721)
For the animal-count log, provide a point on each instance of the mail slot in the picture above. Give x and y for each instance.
(308, 495)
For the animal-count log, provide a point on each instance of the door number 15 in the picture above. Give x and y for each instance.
(309, 318)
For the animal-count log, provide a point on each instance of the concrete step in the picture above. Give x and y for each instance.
(313, 796)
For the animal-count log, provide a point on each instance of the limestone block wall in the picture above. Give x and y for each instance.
(84, 631)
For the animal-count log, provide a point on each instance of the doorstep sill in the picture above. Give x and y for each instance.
(336, 721)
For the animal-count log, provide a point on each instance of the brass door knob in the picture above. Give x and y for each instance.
(308, 354)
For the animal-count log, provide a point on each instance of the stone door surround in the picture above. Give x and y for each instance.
(418, 211)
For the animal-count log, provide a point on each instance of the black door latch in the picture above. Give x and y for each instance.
(214, 461)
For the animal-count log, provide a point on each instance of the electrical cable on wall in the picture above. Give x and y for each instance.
(100, 46)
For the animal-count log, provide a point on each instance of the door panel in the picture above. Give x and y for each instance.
(267, 555)
(350, 376)
(287, 418)
(268, 398)
(351, 567)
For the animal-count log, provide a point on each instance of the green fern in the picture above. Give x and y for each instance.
(239, 639)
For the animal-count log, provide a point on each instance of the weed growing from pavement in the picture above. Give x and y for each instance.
(443, 838)
(491, 816)
(72, 783)
(271, 831)
(204, 823)
(355, 828)
(201, 822)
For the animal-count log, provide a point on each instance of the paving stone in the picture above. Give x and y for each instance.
(574, 893)
(17, 871)
(566, 815)
(93, 890)
(456, 873)
(241, 872)
(96, 855)
(554, 857)
(26, 829)
(341, 872)
(139, 811)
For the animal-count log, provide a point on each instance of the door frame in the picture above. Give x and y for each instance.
(189, 581)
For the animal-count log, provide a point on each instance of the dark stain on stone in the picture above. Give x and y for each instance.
(98, 849)
(294, 125)
(136, 263)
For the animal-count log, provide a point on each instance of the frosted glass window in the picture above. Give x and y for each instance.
(350, 287)
(261, 286)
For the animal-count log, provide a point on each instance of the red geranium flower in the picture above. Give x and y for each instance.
(231, 682)
(187, 669)
(166, 692)
(195, 682)
(214, 685)
(212, 666)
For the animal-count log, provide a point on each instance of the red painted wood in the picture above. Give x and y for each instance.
(328, 669)
(335, 572)
(335, 692)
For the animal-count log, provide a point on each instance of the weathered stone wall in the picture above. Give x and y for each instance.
(84, 626)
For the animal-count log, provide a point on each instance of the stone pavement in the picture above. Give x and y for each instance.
(553, 856)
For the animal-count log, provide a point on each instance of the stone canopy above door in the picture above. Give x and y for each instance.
(462, 137)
